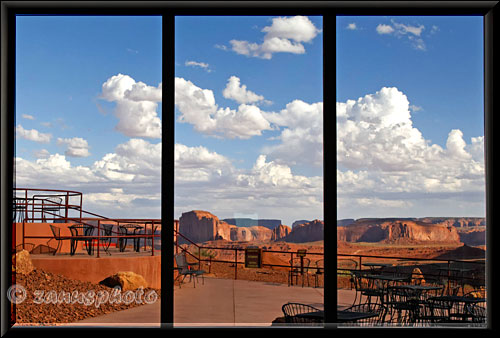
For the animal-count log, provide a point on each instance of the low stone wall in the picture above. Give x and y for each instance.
(94, 269)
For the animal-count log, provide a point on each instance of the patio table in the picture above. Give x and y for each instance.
(129, 229)
(352, 317)
(315, 316)
(81, 232)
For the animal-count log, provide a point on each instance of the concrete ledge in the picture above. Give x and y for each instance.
(92, 269)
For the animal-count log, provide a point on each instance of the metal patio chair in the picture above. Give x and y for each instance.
(185, 269)
(299, 314)
(379, 309)
(299, 268)
(56, 231)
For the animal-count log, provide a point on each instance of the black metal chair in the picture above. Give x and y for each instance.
(379, 309)
(107, 230)
(298, 314)
(56, 231)
(320, 267)
(78, 231)
(185, 269)
(367, 288)
(299, 267)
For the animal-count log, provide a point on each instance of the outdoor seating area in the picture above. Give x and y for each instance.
(390, 297)
(54, 220)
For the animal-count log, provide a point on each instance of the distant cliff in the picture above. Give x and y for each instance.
(307, 232)
(249, 222)
(397, 231)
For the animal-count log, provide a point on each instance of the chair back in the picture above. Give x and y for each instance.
(55, 231)
(291, 310)
(107, 229)
(181, 261)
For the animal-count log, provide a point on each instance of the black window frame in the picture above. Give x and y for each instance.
(168, 10)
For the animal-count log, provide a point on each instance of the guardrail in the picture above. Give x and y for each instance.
(236, 262)
(43, 202)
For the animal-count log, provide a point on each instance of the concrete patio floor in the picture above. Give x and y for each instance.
(221, 303)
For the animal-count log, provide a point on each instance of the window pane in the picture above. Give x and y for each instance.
(88, 164)
(248, 166)
(410, 169)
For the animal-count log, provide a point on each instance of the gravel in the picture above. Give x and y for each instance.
(51, 299)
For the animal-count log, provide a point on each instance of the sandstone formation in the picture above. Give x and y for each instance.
(345, 222)
(459, 222)
(473, 237)
(202, 226)
(280, 232)
(249, 222)
(464, 252)
(251, 233)
(23, 263)
(308, 232)
(127, 280)
(303, 221)
(396, 231)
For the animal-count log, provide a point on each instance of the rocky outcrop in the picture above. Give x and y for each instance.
(308, 232)
(23, 263)
(280, 232)
(345, 222)
(197, 225)
(126, 280)
(397, 231)
(300, 222)
(249, 222)
(459, 222)
(255, 233)
(476, 237)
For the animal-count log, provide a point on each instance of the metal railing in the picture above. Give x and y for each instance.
(35, 204)
(236, 262)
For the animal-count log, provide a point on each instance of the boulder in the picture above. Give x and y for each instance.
(127, 280)
(23, 263)
(417, 277)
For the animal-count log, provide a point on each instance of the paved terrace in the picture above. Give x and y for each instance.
(221, 303)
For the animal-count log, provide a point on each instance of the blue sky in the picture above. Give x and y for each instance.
(67, 135)
(258, 83)
(426, 157)
(248, 112)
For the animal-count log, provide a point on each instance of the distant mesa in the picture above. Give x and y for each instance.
(468, 230)
(249, 222)
(303, 221)
(201, 226)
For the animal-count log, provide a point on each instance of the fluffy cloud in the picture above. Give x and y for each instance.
(198, 107)
(136, 105)
(412, 33)
(267, 189)
(302, 136)
(351, 26)
(382, 157)
(77, 146)
(198, 64)
(32, 135)
(28, 117)
(236, 91)
(285, 35)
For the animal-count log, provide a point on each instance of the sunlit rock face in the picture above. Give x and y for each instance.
(307, 232)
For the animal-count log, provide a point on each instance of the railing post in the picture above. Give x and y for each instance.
(25, 204)
(235, 263)
(152, 238)
(98, 237)
(66, 207)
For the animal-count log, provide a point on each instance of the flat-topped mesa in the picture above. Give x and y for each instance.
(249, 222)
(201, 226)
(393, 231)
(307, 232)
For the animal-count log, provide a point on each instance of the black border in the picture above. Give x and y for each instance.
(328, 9)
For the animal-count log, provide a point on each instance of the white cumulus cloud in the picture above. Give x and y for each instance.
(32, 135)
(76, 146)
(285, 35)
(236, 91)
(136, 105)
